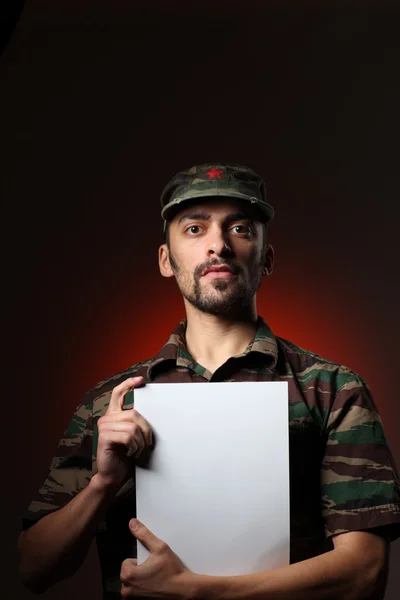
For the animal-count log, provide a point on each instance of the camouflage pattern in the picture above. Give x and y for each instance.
(217, 179)
(342, 474)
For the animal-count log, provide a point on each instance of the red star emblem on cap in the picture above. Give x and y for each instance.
(214, 173)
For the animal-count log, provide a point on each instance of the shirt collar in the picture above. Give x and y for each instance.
(175, 351)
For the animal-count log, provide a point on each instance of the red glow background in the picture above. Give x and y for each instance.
(101, 104)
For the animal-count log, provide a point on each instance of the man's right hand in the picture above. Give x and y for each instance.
(55, 546)
(123, 435)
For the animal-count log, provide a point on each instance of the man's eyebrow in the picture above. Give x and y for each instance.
(206, 217)
(238, 217)
(195, 216)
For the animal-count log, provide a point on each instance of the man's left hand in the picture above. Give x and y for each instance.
(161, 575)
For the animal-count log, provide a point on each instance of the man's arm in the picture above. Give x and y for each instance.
(356, 569)
(54, 547)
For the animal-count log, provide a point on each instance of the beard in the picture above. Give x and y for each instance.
(222, 296)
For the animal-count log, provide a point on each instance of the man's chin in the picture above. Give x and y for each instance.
(220, 285)
(220, 293)
(218, 306)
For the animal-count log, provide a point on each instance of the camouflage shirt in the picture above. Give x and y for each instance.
(342, 474)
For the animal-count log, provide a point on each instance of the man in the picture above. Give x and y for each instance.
(345, 498)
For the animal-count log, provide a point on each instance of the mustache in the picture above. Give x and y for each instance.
(234, 267)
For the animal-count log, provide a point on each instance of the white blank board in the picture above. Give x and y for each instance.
(217, 485)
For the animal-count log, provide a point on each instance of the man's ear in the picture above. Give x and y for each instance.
(268, 261)
(163, 261)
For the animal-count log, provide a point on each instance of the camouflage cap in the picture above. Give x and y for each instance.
(215, 179)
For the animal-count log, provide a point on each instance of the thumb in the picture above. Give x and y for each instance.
(144, 535)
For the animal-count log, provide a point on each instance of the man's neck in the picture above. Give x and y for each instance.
(212, 339)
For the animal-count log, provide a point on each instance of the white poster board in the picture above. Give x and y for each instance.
(216, 488)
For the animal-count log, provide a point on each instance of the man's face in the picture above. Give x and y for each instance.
(217, 253)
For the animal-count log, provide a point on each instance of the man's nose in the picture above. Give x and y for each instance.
(218, 243)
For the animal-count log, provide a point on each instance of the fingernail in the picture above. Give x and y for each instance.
(134, 523)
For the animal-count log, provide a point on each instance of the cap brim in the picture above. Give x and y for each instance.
(172, 207)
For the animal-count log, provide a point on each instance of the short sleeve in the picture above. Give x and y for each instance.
(359, 480)
(70, 469)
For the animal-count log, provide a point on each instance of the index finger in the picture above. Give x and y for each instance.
(147, 537)
(118, 393)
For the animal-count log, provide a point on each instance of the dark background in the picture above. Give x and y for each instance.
(101, 103)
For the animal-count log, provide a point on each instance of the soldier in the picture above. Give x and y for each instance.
(345, 498)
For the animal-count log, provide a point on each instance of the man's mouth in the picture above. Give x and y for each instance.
(218, 271)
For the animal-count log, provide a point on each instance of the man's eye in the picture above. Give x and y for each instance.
(241, 229)
(193, 229)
